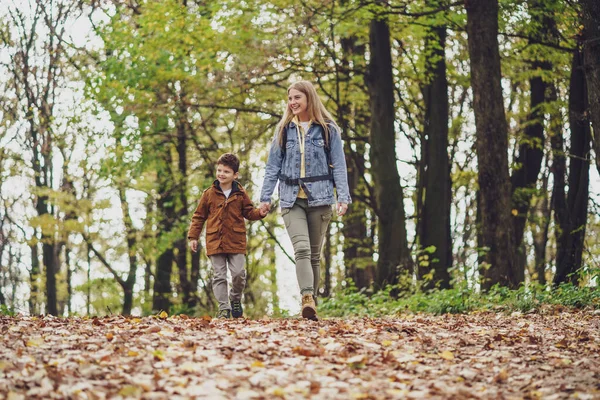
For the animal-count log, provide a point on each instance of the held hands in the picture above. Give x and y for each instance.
(341, 208)
(194, 245)
(264, 208)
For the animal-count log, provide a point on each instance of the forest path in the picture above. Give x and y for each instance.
(552, 355)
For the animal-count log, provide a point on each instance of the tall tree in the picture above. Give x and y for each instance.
(541, 219)
(498, 263)
(391, 226)
(358, 251)
(590, 12)
(572, 230)
(434, 222)
(531, 148)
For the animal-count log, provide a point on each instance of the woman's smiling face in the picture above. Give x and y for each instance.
(298, 103)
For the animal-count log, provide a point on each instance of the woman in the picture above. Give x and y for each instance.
(307, 158)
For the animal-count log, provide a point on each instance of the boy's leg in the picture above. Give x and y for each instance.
(237, 262)
(318, 220)
(219, 264)
(297, 227)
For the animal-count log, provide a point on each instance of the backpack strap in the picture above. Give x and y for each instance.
(301, 181)
(326, 145)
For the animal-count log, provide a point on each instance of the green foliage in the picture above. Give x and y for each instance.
(7, 311)
(105, 296)
(460, 299)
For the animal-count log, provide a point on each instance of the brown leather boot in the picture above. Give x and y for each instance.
(309, 309)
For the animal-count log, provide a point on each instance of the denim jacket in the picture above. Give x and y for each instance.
(288, 164)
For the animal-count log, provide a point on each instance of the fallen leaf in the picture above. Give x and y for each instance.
(130, 391)
(501, 377)
(357, 362)
(468, 374)
(562, 344)
(307, 351)
(153, 329)
(35, 342)
(158, 355)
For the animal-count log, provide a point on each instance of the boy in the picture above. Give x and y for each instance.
(223, 207)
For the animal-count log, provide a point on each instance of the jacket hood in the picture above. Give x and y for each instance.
(235, 186)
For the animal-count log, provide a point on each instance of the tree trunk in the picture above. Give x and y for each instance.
(34, 279)
(434, 223)
(540, 234)
(166, 219)
(69, 281)
(50, 261)
(88, 303)
(358, 254)
(131, 233)
(358, 251)
(572, 231)
(527, 168)
(492, 146)
(187, 287)
(391, 229)
(531, 149)
(559, 171)
(164, 265)
(590, 12)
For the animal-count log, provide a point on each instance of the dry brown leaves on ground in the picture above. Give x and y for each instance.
(487, 355)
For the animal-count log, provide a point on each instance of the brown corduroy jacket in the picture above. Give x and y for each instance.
(224, 217)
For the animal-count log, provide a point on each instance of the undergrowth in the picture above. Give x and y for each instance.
(460, 299)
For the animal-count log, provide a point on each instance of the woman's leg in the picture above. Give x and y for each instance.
(318, 220)
(295, 220)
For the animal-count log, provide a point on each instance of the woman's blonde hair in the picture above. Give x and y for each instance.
(314, 106)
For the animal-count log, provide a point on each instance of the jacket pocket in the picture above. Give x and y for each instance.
(286, 217)
(327, 214)
(318, 142)
(238, 236)
(212, 237)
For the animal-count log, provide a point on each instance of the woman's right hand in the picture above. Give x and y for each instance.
(194, 245)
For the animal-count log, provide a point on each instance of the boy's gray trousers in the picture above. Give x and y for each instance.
(238, 278)
(307, 227)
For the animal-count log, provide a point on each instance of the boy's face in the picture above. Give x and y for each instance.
(225, 175)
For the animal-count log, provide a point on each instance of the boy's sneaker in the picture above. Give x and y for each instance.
(309, 309)
(237, 311)
(225, 314)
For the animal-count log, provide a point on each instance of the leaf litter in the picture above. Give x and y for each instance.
(549, 355)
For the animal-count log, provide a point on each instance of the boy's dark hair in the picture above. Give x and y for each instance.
(230, 160)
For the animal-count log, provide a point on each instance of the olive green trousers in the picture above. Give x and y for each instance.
(306, 227)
